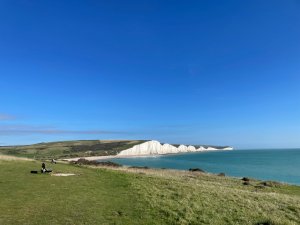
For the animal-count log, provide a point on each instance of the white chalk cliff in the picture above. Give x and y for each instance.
(156, 148)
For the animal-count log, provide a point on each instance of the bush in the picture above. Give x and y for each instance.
(196, 170)
(83, 161)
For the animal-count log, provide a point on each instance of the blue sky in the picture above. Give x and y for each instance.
(191, 72)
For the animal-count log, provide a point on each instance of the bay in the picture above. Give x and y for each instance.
(266, 164)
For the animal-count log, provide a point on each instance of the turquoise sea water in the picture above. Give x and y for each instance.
(278, 165)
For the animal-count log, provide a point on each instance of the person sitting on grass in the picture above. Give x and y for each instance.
(43, 168)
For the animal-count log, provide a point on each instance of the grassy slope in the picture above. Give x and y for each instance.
(68, 149)
(101, 196)
(92, 197)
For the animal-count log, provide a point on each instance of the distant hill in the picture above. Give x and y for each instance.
(68, 149)
(206, 146)
(86, 148)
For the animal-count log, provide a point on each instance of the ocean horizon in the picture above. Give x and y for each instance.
(281, 165)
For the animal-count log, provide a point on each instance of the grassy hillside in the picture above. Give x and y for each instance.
(135, 196)
(67, 149)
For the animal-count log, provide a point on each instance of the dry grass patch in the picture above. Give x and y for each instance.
(13, 158)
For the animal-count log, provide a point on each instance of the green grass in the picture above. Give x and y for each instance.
(134, 196)
(94, 196)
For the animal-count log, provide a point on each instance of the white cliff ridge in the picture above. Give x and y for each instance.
(156, 148)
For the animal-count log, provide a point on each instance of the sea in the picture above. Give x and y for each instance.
(265, 164)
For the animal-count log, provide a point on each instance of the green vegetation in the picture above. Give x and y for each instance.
(139, 196)
(69, 149)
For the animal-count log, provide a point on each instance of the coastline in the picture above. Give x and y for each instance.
(186, 172)
(257, 164)
(91, 158)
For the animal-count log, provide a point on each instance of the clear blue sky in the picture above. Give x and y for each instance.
(191, 72)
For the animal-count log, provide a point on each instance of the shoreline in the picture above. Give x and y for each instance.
(181, 172)
(138, 160)
(128, 168)
(92, 158)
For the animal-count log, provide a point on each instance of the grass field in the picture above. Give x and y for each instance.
(138, 196)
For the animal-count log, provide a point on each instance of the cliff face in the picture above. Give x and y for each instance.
(155, 148)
